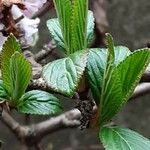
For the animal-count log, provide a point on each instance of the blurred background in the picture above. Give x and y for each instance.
(129, 23)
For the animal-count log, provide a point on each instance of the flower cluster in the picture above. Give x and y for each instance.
(26, 24)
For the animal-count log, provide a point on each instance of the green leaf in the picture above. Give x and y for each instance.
(63, 9)
(3, 93)
(96, 65)
(116, 138)
(21, 72)
(39, 102)
(79, 25)
(111, 92)
(63, 75)
(9, 48)
(120, 85)
(55, 30)
(110, 46)
(73, 21)
(111, 85)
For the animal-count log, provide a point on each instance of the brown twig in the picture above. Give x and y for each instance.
(31, 135)
(69, 119)
(141, 89)
(45, 51)
(146, 75)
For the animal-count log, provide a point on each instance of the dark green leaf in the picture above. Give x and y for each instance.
(39, 102)
(9, 48)
(20, 71)
(96, 65)
(63, 75)
(116, 138)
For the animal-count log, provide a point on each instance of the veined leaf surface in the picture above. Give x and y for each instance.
(20, 75)
(39, 102)
(9, 48)
(117, 138)
(63, 75)
(55, 30)
(96, 65)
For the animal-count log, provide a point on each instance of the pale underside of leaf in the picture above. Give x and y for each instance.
(116, 138)
(55, 30)
(39, 102)
(63, 75)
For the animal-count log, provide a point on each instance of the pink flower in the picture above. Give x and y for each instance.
(29, 26)
(33, 6)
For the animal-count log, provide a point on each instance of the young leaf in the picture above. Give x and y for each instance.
(73, 21)
(39, 102)
(55, 30)
(112, 91)
(3, 93)
(116, 138)
(63, 75)
(109, 81)
(63, 9)
(78, 25)
(121, 83)
(20, 75)
(96, 65)
(9, 48)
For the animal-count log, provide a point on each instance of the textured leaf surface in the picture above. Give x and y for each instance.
(20, 71)
(114, 89)
(116, 138)
(55, 30)
(72, 17)
(122, 82)
(96, 65)
(3, 93)
(90, 27)
(63, 8)
(9, 48)
(39, 102)
(79, 25)
(63, 75)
